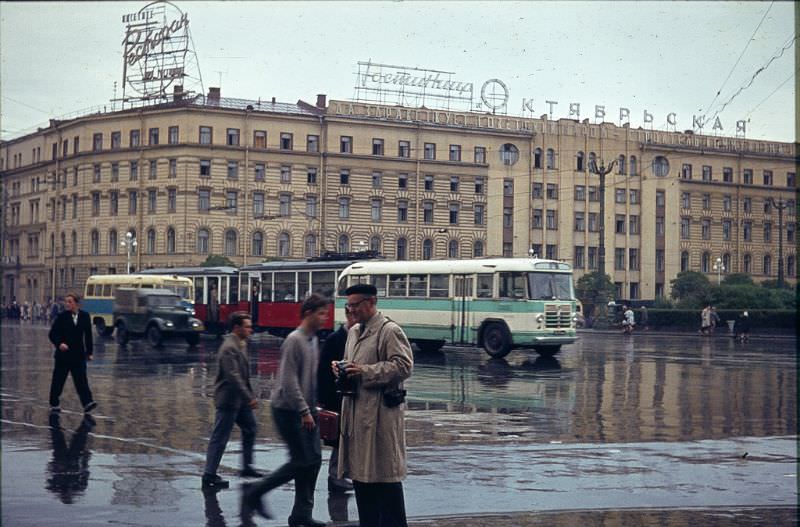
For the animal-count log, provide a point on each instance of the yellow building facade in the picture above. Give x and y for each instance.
(253, 180)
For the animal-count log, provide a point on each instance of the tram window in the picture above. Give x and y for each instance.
(303, 284)
(234, 290)
(222, 297)
(266, 287)
(397, 284)
(323, 282)
(462, 286)
(198, 290)
(512, 285)
(285, 287)
(484, 288)
(379, 281)
(418, 285)
(213, 285)
(440, 285)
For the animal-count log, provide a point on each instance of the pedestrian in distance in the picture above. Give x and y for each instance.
(643, 318)
(372, 446)
(71, 334)
(705, 321)
(295, 415)
(628, 320)
(328, 396)
(741, 328)
(235, 401)
(715, 320)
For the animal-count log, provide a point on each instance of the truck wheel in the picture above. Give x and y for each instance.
(192, 339)
(547, 351)
(497, 340)
(122, 334)
(154, 336)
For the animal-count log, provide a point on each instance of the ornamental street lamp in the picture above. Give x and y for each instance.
(780, 205)
(719, 268)
(602, 170)
(129, 244)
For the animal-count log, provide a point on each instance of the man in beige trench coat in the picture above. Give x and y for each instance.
(372, 445)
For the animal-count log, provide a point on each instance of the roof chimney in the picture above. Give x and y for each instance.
(321, 100)
(177, 93)
(214, 94)
(273, 100)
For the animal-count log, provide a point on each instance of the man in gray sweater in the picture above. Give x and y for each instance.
(295, 415)
(235, 402)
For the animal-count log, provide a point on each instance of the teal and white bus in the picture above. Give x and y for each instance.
(495, 303)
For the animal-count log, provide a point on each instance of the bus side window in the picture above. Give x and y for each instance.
(89, 290)
(484, 288)
(418, 285)
(107, 290)
(512, 285)
(379, 281)
(462, 286)
(440, 286)
(397, 284)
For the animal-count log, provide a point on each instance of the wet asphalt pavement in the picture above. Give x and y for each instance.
(615, 430)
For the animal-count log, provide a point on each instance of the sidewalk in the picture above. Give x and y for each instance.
(723, 333)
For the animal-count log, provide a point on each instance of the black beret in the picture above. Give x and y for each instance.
(361, 289)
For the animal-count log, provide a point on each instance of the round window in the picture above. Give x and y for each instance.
(660, 166)
(509, 154)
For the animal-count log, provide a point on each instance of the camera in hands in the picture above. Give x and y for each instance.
(344, 385)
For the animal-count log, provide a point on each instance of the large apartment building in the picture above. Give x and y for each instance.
(253, 180)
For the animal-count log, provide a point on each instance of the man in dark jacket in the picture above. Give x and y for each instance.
(235, 402)
(71, 334)
(329, 398)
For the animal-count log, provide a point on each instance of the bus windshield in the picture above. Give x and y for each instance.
(549, 286)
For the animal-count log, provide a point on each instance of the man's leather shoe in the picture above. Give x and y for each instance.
(339, 486)
(250, 472)
(213, 481)
(252, 504)
(307, 522)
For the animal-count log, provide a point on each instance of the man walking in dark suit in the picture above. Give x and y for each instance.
(71, 334)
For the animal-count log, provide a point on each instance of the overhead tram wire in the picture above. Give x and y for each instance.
(739, 59)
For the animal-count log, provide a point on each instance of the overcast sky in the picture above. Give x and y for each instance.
(660, 57)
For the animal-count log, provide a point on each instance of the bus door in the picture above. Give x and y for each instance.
(461, 311)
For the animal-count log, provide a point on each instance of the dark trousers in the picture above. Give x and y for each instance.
(223, 425)
(380, 504)
(305, 459)
(76, 367)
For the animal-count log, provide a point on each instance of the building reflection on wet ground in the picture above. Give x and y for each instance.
(139, 463)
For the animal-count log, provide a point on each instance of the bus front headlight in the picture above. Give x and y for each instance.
(540, 318)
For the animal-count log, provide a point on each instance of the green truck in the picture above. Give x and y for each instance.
(156, 314)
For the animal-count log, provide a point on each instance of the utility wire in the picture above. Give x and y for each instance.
(739, 59)
(773, 93)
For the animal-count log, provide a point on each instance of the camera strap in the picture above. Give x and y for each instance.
(392, 386)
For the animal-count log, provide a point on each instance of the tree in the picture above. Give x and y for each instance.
(738, 279)
(690, 289)
(595, 291)
(216, 260)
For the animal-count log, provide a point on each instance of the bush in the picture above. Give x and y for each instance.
(761, 320)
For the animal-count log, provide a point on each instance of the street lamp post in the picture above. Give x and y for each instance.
(129, 244)
(719, 268)
(602, 170)
(780, 205)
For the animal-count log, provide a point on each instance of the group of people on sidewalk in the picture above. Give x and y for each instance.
(369, 456)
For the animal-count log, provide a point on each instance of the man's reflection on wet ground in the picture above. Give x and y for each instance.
(68, 471)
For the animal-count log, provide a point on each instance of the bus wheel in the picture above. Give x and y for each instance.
(102, 329)
(192, 339)
(429, 346)
(122, 334)
(547, 351)
(154, 336)
(497, 340)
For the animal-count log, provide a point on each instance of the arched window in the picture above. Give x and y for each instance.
(112, 241)
(477, 248)
(747, 264)
(509, 154)
(344, 243)
(170, 241)
(203, 241)
(705, 263)
(402, 249)
(537, 158)
(621, 163)
(95, 243)
(52, 244)
(375, 243)
(151, 241)
(257, 248)
(790, 266)
(230, 242)
(767, 265)
(726, 262)
(310, 245)
(633, 170)
(74, 243)
(660, 166)
(284, 244)
(427, 249)
(452, 249)
(684, 260)
(551, 158)
(592, 162)
(579, 161)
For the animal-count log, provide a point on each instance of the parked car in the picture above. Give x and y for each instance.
(156, 314)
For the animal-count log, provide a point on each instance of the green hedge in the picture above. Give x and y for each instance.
(761, 320)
